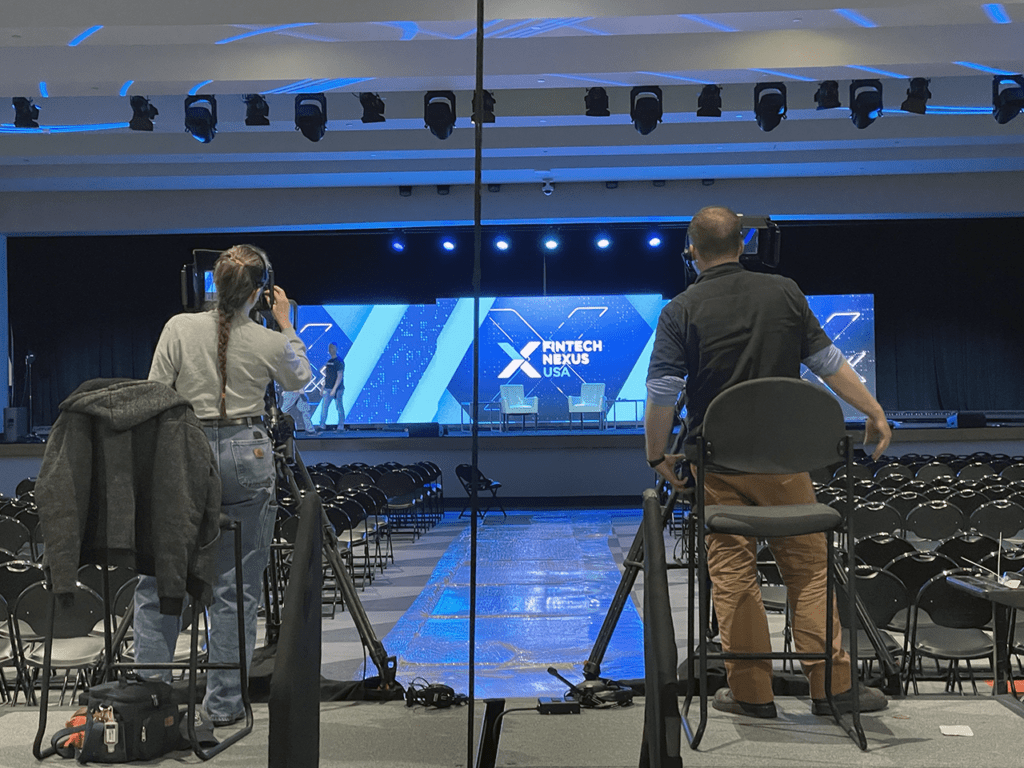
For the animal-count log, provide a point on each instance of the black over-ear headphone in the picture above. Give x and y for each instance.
(433, 695)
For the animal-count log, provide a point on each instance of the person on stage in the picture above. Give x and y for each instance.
(334, 388)
(732, 326)
(222, 362)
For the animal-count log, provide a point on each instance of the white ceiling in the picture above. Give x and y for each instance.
(539, 57)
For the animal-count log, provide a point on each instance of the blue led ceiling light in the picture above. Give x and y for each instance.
(448, 244)
(551, 242)
(125, 88)
(44, 90)
(654, 241)
(603, 241)
(88, 33)
(502, 243)
(996, 13)
(397, 244)
(857, 18)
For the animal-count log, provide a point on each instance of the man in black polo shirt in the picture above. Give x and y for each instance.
(334, 387)
(731, 326)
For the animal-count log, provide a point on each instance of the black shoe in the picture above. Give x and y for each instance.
(724, 702)
(871, 700)
(222, 722)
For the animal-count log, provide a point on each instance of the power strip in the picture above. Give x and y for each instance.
(550, 706)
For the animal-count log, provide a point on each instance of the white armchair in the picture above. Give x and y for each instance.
(590, 400)
(515, 403)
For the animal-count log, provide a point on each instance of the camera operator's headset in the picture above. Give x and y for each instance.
(687, 254)
(433, 695)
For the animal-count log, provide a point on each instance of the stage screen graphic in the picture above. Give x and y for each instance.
(412, 363)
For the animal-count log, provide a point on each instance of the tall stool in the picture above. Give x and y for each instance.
(769, 426)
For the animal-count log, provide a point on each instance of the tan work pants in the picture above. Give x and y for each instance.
(732, 562)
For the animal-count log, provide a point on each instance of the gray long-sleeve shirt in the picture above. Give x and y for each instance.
(186, 359)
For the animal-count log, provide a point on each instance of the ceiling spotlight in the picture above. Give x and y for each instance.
(439, 113)
(257, 111)
(917, 96)
(487, 115)
(611, 185)
(1008, 101)
(645, 108)
(596, 102)
(502, 243)
(25, 112)
(443, 189)
(494, 187)
(404, 191)
(142, 114)
(201, 117)
(448, 244)
(865, 102)
(828, 95)
(654, 241)
(709, 103)
(373, 107)
(602, 242)
(769, 105)
(311, 115)
(397, 244)
(551, 242)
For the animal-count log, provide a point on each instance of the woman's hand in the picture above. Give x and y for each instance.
(282, 308)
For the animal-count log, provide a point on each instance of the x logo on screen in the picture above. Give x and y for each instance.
(520, 360)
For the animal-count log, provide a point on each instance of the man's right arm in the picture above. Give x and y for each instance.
(847, 384)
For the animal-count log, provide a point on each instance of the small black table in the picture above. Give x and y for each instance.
(1005, 602)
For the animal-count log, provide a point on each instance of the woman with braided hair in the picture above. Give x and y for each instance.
(222, 362)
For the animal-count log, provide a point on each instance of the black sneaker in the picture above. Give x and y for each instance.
(871, 700)
(724, 702)
(222, 722)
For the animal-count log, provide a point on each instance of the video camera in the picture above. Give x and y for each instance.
(199, 291)
(762, 242)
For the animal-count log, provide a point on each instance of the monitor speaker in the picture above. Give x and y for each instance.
(429, 429)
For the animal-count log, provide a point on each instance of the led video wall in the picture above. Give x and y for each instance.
(413, 363)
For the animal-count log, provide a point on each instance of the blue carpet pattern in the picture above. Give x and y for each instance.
(544, 584)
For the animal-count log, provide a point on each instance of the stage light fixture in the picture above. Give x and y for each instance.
(709, 103)
(142, 114)
(487, 114)
(917, 96)
(257, 111)
(311, 115)
(645, 108)
(769, 105)
(448, 244)
(551, 242)
(611, 185)
(443, 189)
(439, 113)
(494, 187)
(397, 244)
(502, 243)
(603, 241)
(827, 95)
(25, 112)
(596, 102)
(373, 107)
(404, 191)
(201, 117)
(654, 241)
(1007, 97)
(865, 102)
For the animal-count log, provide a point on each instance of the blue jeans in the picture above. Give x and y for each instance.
(245, 461)
(325, 405)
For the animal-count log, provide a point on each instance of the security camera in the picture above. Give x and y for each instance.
(548, 188)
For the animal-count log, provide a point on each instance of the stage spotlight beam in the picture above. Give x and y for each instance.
(645, 108)
(439, 113)
(373, 107)
(917, 96)
(25, 112)
(769, 105)
(827, 96)
(487, 114)
(865, 102)
(257, 111)
(201, 117)
(596, 102)
(1007, 97)
(709, 103)
(311, 115)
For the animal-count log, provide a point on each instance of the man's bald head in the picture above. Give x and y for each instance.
(716, 233)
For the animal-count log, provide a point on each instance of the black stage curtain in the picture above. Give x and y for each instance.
(946, 293)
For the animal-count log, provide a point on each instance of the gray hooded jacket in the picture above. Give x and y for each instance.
(128, 478)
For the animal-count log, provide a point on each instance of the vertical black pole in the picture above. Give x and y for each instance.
(478, 137)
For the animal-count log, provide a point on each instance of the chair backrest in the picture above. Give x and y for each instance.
(976, 469)
(882, 594)
(933, 470)
(92, 577)
(1013, 472)
(13, 534)
(396, 483)
(591, 394)
(16, 576)
(75, 618)
(935, 520)
(999, 518)
(968, 548)
(774, 426)
(513, 394)
(873, 517)
(915, 568)
(880, 549)
(950, 607)
(967, 500)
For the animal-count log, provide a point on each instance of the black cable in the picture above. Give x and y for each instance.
(496, 728)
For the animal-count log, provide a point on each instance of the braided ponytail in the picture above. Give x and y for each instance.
(235, 285)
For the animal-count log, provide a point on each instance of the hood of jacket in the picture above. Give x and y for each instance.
(122, 403)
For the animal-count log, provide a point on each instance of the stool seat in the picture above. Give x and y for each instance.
(771, 522)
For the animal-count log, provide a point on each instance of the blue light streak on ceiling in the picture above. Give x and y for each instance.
(706, 22)
(675, 77)
(194, 90)
(589, 30)
(785, 74)
(514, 27)
(982, 68)
(88, 33)
(472, 32)
(548, 26)
(996, 13)
(317, 86)
(882, 72)
(264, 31)
(588, 79)
(124, 88)
(857, 18)
(8, 128)
(44, 91)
